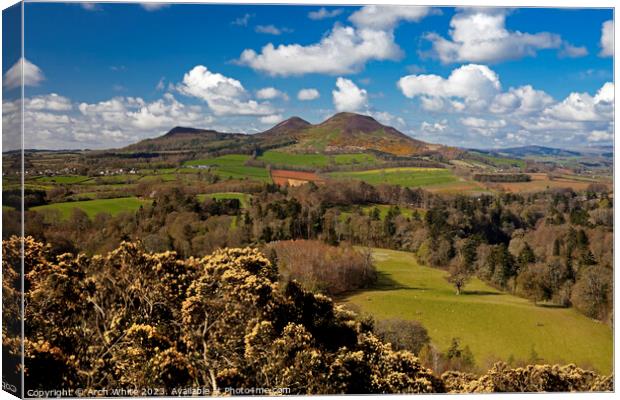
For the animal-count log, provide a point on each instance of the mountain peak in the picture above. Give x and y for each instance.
(287, 127)
(352, 122)
(293, 121)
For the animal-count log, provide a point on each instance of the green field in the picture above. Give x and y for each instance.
(315, 160)
(294, 159)
(359, 158)
(407, 176)
(64, 179)
(232, 166)
(495, 325)
(502, 161)
(243, 198)
(94, 207)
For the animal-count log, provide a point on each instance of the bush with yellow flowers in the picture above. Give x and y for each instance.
(133, 320)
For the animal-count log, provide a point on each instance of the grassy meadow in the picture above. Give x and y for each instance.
(495, 325)
(316, 160)
(405, 176)
(293, 159)
(232, 166)
(94, 207)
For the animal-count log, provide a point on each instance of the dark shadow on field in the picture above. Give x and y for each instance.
(479, 293)
(549, 305)
(385, 283)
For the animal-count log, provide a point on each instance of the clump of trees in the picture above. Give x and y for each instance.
(502, 177)
(323, 268)
(403, 334)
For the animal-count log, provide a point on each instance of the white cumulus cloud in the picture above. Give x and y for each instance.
(344, 50)
(382, 17)
(270, 93)
(584, 107)
(480, 35)
(482, 126)
(271, 119)
(32, 75)
(224, 95)
(271, 29)
(55, 122)
(431, 103)
(387, 118)
(571, 51)
(50, 102)
(434, 127)
(308, 94)
(607, 39)
(323, 13)
(471, 82)
(348, 97)
(600, 136)
(521, 100)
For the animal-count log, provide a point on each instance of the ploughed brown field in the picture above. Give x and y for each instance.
(294, 178)
(541, 181)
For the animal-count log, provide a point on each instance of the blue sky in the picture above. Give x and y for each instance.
(106, 75)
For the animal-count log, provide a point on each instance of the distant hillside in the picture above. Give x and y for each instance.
(533, 151)
(346, 132)
(287, 128)
(183, 138)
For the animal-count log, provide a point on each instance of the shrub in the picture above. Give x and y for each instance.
(321, 267)
(403, 334)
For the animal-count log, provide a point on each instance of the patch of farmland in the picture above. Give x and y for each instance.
(232, 166)
(94, 207)
(405, 176)
(294, 178)
(494, 324)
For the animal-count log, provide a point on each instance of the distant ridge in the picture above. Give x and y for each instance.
(184, 138)
(534, 151)
(344, 132)
(179, 130)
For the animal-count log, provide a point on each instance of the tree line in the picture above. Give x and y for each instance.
(553, 246)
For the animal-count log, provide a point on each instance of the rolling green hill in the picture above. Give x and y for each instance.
(495, 325)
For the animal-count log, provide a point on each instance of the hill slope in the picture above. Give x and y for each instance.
(345, 132)
(183, 138)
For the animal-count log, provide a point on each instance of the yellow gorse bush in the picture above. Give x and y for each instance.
(130, 319)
